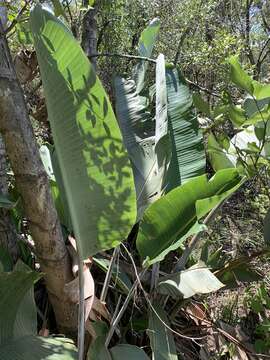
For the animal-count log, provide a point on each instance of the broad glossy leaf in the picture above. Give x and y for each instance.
(94, 165)
(130, 352)
(239, 77)
(145, 47)
(13, 289)
(98, 350)
(5, 259)
(237, 115)
(5, 202)
(26, 317)
(200, 104)
(174, 215)
(18, 321)
(38, 348)
(217, 155)
(187, 283)
(161, 338)
(188, 156)
(261, 91)
(252, 106)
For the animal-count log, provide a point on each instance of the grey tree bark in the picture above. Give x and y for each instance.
(89, 34)
(8, 233)
(33, 185)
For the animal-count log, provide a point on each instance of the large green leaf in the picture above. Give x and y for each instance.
(161, 338)
(38, 348)
(126, 351)
(18, 321)
(13, 289)
(146, 140)
(187, 283)
(94, 166)
(176, 214)
(217, 155)
(188, 156)
(145, 47)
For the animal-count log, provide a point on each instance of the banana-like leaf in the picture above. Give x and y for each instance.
(188, 155)
(126, 351)
(187, 283)
(38, 348)
(50, 162)
(146, 141)
(13, 289)
(94, 165)
(161, 338)
(176, 214)
(146, 43)
(18, 321)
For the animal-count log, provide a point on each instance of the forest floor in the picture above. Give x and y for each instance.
(241, 313)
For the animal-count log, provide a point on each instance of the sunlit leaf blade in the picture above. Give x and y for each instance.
(187, 283)
(188, 156)
(126, 351)
(239, 77)
(174, 215)
(161, 338)
(145, 47)
(39, 348)
(261, 91)
(200, 104)
(95, 169)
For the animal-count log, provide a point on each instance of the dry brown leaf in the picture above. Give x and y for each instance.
(44, 332)
(99, 310)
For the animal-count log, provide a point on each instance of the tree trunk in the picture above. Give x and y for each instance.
(8, 233)
(89, 34)
(33, 185)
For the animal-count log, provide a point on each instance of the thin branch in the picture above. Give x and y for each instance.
(123, 309)
(81, 315)
(130, 57)
(202, 88)
(16, 20)
(108, 275)
(262, 50)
